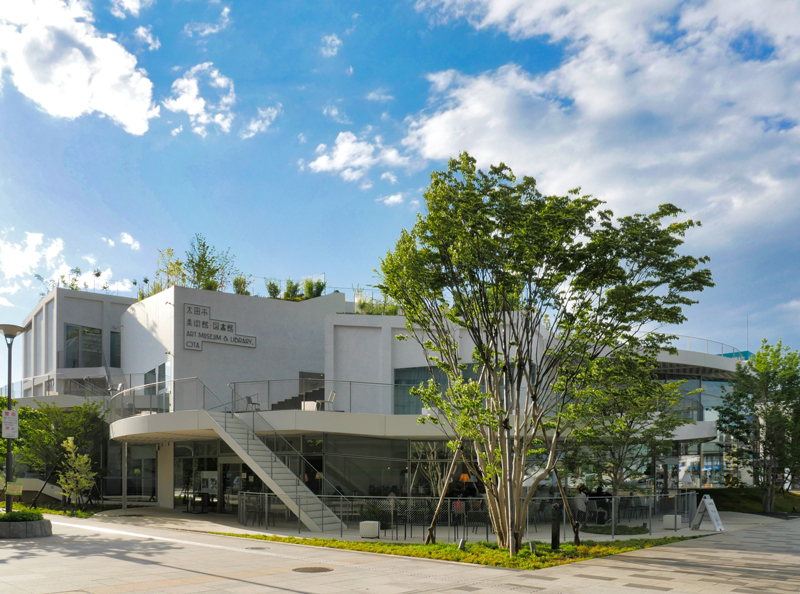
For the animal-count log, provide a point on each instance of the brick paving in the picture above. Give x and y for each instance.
(88, 556)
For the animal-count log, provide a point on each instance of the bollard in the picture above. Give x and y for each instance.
(555, 543)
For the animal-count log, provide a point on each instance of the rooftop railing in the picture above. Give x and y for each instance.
(710, 347)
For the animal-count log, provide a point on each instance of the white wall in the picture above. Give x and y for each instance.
(148, 333)
(44, 348)
(289, 337)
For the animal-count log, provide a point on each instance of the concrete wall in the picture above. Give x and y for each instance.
(148, 334)
(44, 338)
(289, 337)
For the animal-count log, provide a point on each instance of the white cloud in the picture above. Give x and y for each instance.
(301, 164)
(330, 45)
(186, 98)
(379, 95)
(110, 242)
(60, 61)
(134, 7)
(128, 240)
(90, 259)
(264, 120)
(692, 103)
(21, 259)
(205, 29)
(349, 71)
(301, 138)
(5, 302)
(365, 184)
(145, 35)
(393, 200)
(11, 289)
(337, 116)
(353, 28)
(414, 204)
(351, 157)
(390, 177)
(176, 131)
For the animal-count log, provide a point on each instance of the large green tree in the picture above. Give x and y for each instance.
(623, 417)
(43, 431)
(523, 290)
(761, 410)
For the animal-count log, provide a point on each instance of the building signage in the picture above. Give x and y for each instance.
(10, 424)
(200, 327)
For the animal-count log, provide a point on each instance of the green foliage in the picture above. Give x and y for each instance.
(761, 410)
(170, 270)
(292, 290)
(385, 306)
(76, 476)
(240, 284)
(55, 509)
(312, 288)
(21, 516)
(482, 553)
(43, 431)
(66, 281)
(202, 266)
(273, 290)
(540, 285)
(749, 500)
(623, 417)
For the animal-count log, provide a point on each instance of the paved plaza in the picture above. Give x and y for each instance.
(101, 557)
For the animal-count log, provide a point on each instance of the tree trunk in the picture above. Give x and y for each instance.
(47, 480)
(576, 526)
(431, 539)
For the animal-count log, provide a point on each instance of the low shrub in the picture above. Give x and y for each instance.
(21, 516)
(481, 553)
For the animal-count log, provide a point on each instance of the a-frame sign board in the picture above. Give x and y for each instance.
(707, 506)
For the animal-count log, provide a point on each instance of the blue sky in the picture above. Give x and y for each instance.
(302, 134)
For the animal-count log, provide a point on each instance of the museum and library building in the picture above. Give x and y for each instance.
(209, 394)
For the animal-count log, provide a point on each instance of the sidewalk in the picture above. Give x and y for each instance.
(106, 557)
(159, 517)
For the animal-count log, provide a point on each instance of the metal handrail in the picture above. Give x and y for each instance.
(272, 430)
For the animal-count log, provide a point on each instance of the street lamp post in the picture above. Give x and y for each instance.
(10, 332)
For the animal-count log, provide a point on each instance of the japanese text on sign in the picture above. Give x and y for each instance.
(200, 327)
(10, 424)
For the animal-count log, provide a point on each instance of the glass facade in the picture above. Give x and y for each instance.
(142, 472)
(702, 464)
(330, 464)
(83, 347)
(116, 350)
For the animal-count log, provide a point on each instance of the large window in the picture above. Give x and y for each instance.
(83, 347)
(116, 349)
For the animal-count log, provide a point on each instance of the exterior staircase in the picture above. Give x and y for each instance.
(284, 483)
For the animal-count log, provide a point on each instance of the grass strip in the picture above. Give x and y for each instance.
(480, 553)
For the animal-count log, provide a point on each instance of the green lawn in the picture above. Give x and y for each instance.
(748, 500)
(481, 553)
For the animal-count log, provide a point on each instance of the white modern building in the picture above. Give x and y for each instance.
(213, 393)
